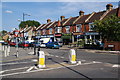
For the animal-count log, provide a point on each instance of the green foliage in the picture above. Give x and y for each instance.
(109, 28)
(29, 23)
(3, 32)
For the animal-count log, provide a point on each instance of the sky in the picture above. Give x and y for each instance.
(12, 12)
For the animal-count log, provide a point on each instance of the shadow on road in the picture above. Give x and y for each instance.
(70, 69)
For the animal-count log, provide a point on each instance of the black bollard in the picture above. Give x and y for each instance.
(34, 50)
(38, 50)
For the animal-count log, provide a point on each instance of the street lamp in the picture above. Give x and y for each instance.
(25, 15)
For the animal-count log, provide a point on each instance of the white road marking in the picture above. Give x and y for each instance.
(116, 65)
(62, 57)
(56, 56)
(14, 69)
(14, 63)
(34, 60)
(28, 70)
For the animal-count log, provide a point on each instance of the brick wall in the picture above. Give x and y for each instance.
(116, 45)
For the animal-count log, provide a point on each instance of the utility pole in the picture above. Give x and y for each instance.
(25, 15)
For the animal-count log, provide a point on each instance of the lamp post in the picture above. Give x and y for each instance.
(25, 15)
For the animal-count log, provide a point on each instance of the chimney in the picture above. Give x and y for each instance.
(48, 20)
(109, 7)
(62, 17)
(81, 13)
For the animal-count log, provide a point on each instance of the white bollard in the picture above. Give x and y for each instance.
(41, 59)
(5, 51)
(72, 56)
(0, 46)
(8, 53)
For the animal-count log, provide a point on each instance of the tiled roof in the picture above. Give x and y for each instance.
(113, 11)
(63, 21)
(82, 19)
(96, 16)
(46, 25)
(70, 22)
(53, 25)
(40, 27)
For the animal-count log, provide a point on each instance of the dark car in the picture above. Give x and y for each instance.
(12, 43)
(23, 44)
(36, 44)
(53, 45)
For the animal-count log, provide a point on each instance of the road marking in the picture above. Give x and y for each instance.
(34, 60)
(56, 56)
(19, 58)
(14, 63)
(62, 57)
(30, 68)
(116, 65)
(14, 69)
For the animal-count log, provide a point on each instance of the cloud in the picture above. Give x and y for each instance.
(8, 11)
(87, 7)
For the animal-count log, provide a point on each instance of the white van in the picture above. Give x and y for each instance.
(44, 41)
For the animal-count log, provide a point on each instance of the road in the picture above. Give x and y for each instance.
(93, 65)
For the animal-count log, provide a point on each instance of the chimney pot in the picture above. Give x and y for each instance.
(109, 7)
(81, 13)
(48, 20)
(62, 17)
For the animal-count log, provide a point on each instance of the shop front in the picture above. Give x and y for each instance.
(66, 38)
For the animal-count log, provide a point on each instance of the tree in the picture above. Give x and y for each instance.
(3, 32)
(29, 23)
(109, 28)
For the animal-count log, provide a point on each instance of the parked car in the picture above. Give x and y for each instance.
(53, 45)
(12, 43)
(60, 43)
(37, 44)
(23, 44)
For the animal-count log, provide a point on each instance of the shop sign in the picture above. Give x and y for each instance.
(58, 35)
(91, 33)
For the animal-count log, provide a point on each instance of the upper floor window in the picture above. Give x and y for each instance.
(38, 32)
(58, 29)
(78, 28)
(67, 29)
(44, 31)
(50, 31)
(91, 26)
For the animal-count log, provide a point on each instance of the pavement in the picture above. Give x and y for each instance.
(29, 54)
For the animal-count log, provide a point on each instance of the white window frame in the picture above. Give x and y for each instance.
(67, 29)
(50, 31)
(78, 29)
(90, 27)
(59, 29)
(44, 31)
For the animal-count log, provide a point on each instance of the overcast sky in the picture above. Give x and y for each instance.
(41, 11)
